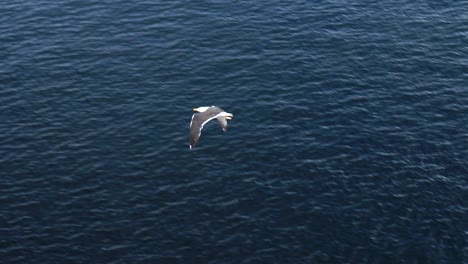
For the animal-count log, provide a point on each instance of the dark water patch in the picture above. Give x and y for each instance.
(348, 141)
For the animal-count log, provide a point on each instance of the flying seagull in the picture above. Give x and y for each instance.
(204, 115)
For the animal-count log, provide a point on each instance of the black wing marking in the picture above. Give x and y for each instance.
(196, 126)
(195, 130)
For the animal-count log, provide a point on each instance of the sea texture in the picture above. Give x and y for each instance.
(349, 142)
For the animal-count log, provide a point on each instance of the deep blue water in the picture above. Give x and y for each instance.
(349, 142)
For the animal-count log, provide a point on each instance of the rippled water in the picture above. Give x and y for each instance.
(349, 141)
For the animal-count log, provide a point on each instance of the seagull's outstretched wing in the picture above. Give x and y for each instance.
(196, 126)
(222, 122)
(195, 130)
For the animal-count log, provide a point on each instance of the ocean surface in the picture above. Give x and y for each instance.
(349, 142)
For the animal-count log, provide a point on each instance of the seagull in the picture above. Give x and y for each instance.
(206, 114)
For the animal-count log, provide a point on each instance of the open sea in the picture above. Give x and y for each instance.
(349, 142)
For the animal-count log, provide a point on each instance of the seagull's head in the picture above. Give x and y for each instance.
(228, 116)
(201, 109)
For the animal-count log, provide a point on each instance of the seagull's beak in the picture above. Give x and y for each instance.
(228, 117)
(195, 109)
